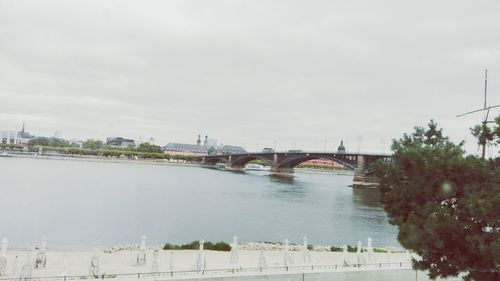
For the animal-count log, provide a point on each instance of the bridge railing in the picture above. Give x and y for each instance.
(311, 152)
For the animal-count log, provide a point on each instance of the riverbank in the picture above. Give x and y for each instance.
(91, 158)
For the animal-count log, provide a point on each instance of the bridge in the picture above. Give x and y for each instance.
(284, 162)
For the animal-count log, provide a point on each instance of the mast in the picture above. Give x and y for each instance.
(485, 86)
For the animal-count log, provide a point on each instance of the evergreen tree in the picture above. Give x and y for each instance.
(445, 204)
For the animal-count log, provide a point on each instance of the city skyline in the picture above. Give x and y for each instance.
(298, 75)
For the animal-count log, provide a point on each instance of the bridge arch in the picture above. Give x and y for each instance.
(294, 161)
(243, 160)
(215, 160)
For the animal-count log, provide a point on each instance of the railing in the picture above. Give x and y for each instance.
(348, 153)
(221, 272)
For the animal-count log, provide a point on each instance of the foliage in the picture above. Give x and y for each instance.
(310, 247)
(11, 146)
(146, 147)
(169, 246)
(336, 249)
(445, 204)
(486, 135)
(379, 250)
(44, 141)
(195, 245)
(351, 249)
(92, 144)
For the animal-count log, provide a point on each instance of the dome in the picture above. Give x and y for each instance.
(341, 148)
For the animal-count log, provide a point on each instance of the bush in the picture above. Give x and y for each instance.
(169, 246)
(351, 249)
(195, 245)
(336, 249)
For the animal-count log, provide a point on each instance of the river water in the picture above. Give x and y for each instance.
(74, 203)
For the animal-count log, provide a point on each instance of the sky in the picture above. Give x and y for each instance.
(283, 74)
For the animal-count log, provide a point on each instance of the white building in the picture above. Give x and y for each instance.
(15, 137)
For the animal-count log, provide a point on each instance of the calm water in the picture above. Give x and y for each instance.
(75, 202)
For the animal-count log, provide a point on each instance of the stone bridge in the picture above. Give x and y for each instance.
(284, 162)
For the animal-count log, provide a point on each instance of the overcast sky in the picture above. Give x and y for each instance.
(298, 74)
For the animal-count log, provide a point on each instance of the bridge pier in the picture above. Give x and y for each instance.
(361, 178)
(235, 168)
(279, 171)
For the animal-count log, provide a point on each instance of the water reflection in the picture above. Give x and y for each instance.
(366, 197)
(280, 179)
(286, 189)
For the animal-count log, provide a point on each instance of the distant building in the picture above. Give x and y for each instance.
(341, 149)
(230, 149)
(9, 137)
(210, 142)
(119, 141)
(15, 137)
(184, 148)
(209, 147)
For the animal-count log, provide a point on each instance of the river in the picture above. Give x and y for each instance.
(74, 203)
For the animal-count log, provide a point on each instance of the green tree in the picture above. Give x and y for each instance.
(445, 204)
(44, 141)
(93, 144)
(147, 147)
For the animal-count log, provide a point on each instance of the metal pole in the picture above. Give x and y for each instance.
(485, 85)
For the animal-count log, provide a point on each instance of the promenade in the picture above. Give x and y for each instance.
(182, 264)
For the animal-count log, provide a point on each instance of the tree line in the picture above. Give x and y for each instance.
(95, 147)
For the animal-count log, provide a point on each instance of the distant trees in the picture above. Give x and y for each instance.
(45, 141)
(445, 204)
(93, 144)
(147, 147)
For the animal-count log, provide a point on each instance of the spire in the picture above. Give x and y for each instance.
(206, 141)
(198, 141)
(22, 130)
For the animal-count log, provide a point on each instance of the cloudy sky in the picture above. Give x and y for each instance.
(295, 74)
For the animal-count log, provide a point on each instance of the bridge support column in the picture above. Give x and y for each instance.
(287, 172)
(235, 168)
(361, 179)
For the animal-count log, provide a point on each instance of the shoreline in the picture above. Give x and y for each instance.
(160, 162)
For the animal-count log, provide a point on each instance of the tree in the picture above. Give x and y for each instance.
(92, 144)
(486, 135)
(445, 204)
(52, 142)
(147, 147)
